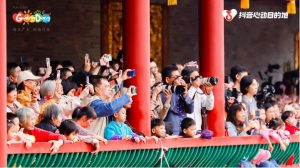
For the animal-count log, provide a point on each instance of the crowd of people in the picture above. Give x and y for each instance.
(64, 104)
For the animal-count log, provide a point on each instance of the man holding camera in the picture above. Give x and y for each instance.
(105, 104)
(181, 103)
(200, 91)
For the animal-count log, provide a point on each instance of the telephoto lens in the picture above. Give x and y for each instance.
(180, 89)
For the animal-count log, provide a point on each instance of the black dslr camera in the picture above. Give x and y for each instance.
(264, 95)
(174, 89)
(212, 80)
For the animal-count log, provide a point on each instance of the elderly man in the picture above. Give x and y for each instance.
(181, 102)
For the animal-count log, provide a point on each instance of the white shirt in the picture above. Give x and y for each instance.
(200, 100)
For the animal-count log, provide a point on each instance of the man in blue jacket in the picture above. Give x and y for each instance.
(105, 105)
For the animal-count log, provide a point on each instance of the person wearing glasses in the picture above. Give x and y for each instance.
(201, 94)
(28, 90)
(181, 103)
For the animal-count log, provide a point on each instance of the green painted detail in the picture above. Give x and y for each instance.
(212, 156)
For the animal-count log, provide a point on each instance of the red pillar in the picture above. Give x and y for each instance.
(137, 56)
(3, 145)
(211, 53)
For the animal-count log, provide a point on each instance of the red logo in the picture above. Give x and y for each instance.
(229, 14)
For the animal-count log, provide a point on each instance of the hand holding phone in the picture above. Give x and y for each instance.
(58, 75)
(108, 57)
(133, 90)
(86, 57)
(116, 88)
(48, 62)
(87, 79)
(257, 113)
(131, 73)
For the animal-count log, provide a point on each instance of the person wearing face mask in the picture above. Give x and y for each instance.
(201, 98)
(249, 88)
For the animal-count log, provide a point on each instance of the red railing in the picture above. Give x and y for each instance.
(44, 147)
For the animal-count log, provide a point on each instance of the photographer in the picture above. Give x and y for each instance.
(104, 105)
(181, 103)
(201, 98)
(158, 109)
(236, 74)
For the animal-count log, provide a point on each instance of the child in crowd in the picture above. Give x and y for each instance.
(279, 127)
(289, 118)
(188, 127)
(70, 130)
(275, 133)
(83, 117)
(158, 129)
(118, 130)
(14, 134)
(12, 105)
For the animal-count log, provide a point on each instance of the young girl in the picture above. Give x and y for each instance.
(279, 127)
(83, 117)
(275, 133)
(188, 127)
(14, 134)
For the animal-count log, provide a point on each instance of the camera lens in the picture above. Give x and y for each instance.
(213, 80)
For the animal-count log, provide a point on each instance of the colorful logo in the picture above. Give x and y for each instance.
(28, 17)
(229, 14)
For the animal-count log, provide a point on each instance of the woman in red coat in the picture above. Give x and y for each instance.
(27, 119)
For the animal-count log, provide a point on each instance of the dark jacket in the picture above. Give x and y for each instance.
(47, 125)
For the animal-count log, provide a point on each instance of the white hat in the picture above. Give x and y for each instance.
(26, 75)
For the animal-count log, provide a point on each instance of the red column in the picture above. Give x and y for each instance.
(211, 53)
(137, 56)
(3, 151)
